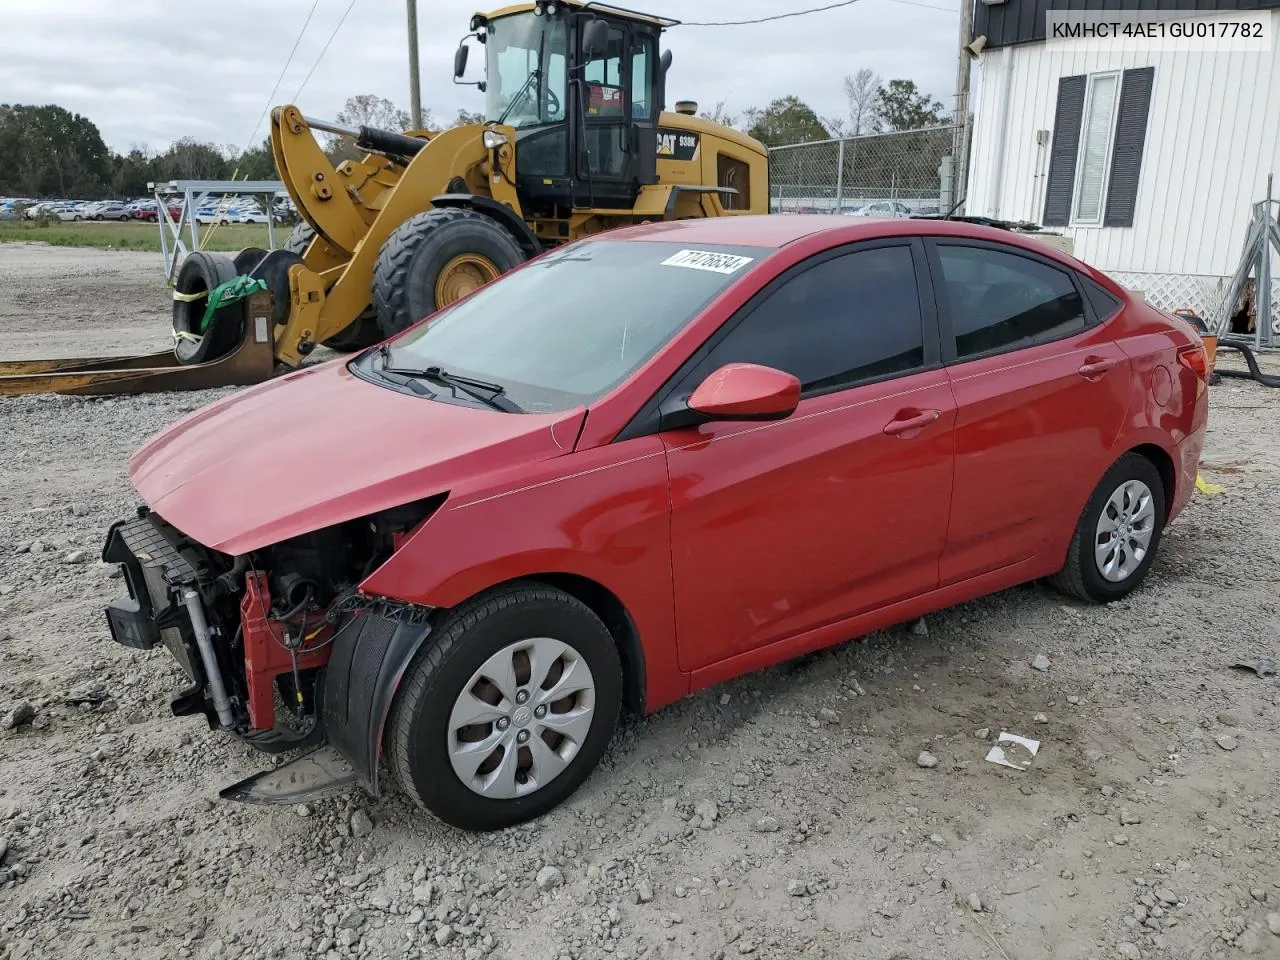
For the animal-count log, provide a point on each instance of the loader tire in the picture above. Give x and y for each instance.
(364, 332)
(200, 273)
(434, 258)
(299, 239)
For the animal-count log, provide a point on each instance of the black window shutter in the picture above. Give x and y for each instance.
(1126, 153)
(1060, 183)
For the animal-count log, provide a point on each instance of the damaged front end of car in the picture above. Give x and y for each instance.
(281, 648)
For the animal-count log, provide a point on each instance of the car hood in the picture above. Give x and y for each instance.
(321, 446)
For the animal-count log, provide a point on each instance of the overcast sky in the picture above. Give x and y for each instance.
(151, 71)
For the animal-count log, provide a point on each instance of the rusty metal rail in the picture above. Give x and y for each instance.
(252, 361)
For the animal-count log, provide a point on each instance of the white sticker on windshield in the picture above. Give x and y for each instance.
(707, 260)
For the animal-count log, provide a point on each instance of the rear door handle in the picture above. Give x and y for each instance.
(895, 428)
(1096, 366)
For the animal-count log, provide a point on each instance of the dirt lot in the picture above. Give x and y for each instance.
(779, 815)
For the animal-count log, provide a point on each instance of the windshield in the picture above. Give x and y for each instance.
(515, 93)
(566, 329)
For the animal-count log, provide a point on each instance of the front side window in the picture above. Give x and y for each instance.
(1095, 146)
(848, 320)
(565, 329)
(526, 59)
(1002, 301)
(642, 85)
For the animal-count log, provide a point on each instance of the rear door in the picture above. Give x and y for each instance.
(1041, 393)
(779, 528)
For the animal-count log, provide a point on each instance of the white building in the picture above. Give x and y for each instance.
(1148, 157)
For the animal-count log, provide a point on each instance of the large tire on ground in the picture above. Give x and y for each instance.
(364, 332)
(200, 273)
(248, 258)
(1116, 540)
(508, 708)
(435, 258)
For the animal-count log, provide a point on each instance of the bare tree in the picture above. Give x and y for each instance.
(718, 114)
(861, 88)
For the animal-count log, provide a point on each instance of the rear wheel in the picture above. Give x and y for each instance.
(508, 709)
(1115, 542)
(435, 258)
(364, 332)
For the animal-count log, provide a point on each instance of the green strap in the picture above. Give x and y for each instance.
(230, 292)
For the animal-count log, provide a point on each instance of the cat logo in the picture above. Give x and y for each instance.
(677, 145)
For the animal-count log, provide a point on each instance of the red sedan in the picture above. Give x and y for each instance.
(638, 465)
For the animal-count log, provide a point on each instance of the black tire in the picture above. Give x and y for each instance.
(201, 272)
(247, 259)
(364, 332)
(417, 732)
(1080, 576)
(404, 277)
(78, 218)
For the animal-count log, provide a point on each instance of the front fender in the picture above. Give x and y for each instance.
(602, 515)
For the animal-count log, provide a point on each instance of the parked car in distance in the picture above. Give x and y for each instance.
(884, 208)
(785, 432)
(107, 210)
(248, 215)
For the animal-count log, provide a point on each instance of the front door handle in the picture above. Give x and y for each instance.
(1094, 367)
(901, 425)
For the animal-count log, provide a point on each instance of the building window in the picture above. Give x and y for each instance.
(1096, 138)
(1099, 135)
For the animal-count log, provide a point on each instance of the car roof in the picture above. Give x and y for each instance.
(776, 230)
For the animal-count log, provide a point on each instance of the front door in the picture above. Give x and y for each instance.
(779, 528)
(1041, 394)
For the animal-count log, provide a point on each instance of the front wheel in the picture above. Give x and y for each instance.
(1116, 539)
(508, 709)
(435, 258)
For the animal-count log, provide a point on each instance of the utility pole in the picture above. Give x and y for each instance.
(964, 63)
(415, 87)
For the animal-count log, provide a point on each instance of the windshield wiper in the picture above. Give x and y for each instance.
(482, 390)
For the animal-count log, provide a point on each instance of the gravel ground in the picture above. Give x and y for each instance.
(838, 806)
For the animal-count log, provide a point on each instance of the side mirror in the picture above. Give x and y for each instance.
(460, 60)
(595, 39)
(746, 391)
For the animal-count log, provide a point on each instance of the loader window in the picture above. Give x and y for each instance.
(642, 86)
(527, 58)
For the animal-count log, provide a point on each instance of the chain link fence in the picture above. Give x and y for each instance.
(911, 171)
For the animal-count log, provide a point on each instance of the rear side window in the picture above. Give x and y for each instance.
(849, 319)
(1105, 305)
(1002, 301)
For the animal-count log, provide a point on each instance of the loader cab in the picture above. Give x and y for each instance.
(582, 86)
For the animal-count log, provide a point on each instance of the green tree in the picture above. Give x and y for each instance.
(189, 159)
(256, 163)
(133, 171)
(48, 151)
(465, 118)
(900, 106)
(785, 120)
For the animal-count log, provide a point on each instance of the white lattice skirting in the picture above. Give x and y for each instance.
(1204, 295)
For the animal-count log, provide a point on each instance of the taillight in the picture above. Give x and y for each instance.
(1193, 358)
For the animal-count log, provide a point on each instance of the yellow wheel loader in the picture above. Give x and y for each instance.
(576, 139)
